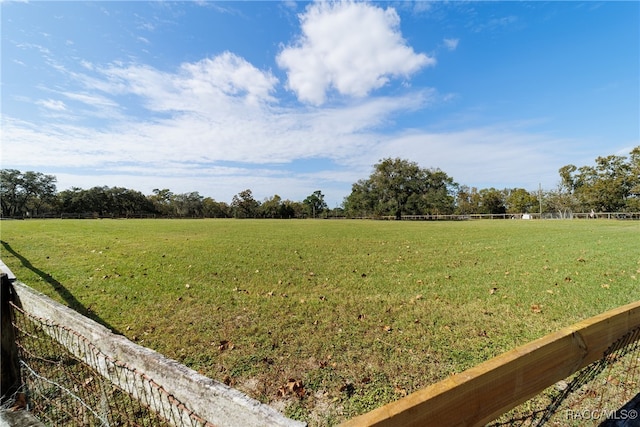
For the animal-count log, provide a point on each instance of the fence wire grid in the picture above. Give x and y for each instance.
(606, 393)
(76, 384)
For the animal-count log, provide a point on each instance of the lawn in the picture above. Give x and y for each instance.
(328, 319)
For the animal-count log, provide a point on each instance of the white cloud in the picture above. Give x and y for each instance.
(353, 48)
(91, 99)
(451, 44)
(52, 104)
(196, 86)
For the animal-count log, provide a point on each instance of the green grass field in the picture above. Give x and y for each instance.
(328, 319)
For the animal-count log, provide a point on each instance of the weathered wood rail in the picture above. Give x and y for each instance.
(212, 401)
(486, 391)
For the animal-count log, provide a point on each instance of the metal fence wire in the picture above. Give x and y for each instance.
(76, 384)
(606, 393)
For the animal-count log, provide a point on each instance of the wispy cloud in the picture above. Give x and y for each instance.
(451, 44)
(495, 24)
(52, 104)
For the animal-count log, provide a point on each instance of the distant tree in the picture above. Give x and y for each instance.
(271, 207)
(560, 202)
(162, 201)
(29, 192)
(611, 185)
(519, 200)
(467, 200)
(400, 187)
(104, 201)
(633, 199)
(437, 193)
(492, 201)
(244, 205)
(362, 201)
(395, 181)
(291, 209)
(124, 202)
(604, 187)
(315, 204)
(70, 200)
(213, 209)
(187, 204)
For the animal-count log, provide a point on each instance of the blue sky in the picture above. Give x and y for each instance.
(290, 97)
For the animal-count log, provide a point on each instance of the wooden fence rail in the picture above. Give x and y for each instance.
(486, 391)
(210, 400)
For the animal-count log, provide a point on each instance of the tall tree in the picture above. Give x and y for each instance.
(398, 187)
(492, 201)
(161, 200)
(22, 193)
(605, 187)
(271, 207)
(187, 204)
(467, 200)
(244, 205)
(395, 181)
(633, 200)
(362, 201)
(315, 204)
(519, 200)
(213, 209)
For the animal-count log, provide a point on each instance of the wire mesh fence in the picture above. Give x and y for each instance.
(605, 393)
(68, 381)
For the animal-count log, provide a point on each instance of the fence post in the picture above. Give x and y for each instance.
(10, 363)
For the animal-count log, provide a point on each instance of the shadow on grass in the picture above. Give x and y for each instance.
(64, 293)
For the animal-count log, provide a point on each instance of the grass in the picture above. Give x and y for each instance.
(326, 320)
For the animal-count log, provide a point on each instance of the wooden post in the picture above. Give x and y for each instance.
(10, 363)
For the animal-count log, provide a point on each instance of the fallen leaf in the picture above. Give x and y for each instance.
(605, 286)
(20, 402)
(493, 291)
(536, 308)
(293, 386)
(225, 345)
(388, 328)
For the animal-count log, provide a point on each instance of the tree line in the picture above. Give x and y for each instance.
(33, 194)
(396, 187)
